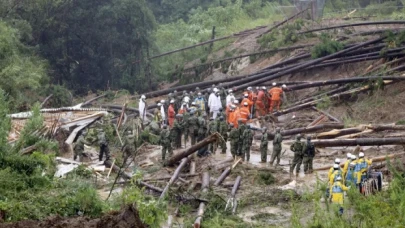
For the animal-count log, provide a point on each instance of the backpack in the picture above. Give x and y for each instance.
(310, 150)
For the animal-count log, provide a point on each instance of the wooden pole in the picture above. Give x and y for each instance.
(174, 177)
(204, 189)
(360, 142)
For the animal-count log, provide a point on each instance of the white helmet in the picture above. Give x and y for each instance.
(162, 101)
(159, 104)
(264, 87)
(274, 84)
(349, 155)
(337, 161)
(245, 104)
(354, 157)
(361, 155)
(245, 95)
(338, 178)
(335, 166)
(230, 91)
(249, 88)
(236, 101)
(143, 97)
(284, 86)
(171, 101)
(257, 88)
(215, 90)
(193, 103)
(233, 106)
(199, 94)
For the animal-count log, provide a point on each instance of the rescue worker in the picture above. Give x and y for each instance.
(211, 99)
(193, 127)
(216, 104)
(129, 143)
(212, 128)
(228, 109)
(186, 99)
(231, 116)
(350, 179)
(263, 145)
(191, 95)
(247, 138)
(337, 193)
(78, 149)
(276, 147)
(223, 130)
(236, 114)
(194, 108)
(163, 112)
(296, 147)
(186, 116)
(244, 113)
(176, 131)
(202, 130)
(177, 100)
(361, 169)
(164, 141)
(171, 113)
(234, 139)
(275, 94)
(248, 101)
(337, 172)
(346, 165)
(230, 98)
(260, 103)
(183, 108)
(157, 116)
(252, 96)
(103, 143)
(309, 153)
(142, 108)
(200, 102)
(242, 128)
(337, 161)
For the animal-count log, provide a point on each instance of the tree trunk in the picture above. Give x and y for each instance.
(354, 24)
(204, 188)
(360, 142)
(186, 152)
(221, 178)
(327, 114)
(174, 177)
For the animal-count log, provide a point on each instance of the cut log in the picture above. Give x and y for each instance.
(360, 142)
(168, 177)
(359, 129)
(233, 193)
(122, 115)
(204, 188)
(376, 159)
(221, 178)
(353, 25)
(174, 177)
(327, 114)
(186, 152)
(318, 120)
(192, 167)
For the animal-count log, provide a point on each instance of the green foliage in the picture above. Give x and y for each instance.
(400, 122)
(282, 37)
(326, 47)
(266, 178)
(395, 40)
(5, 122)
(325, 103)
(61, 97)
(151, 211)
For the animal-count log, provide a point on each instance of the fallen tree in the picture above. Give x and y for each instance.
(359, 141)
(205, 179)
(353, 25)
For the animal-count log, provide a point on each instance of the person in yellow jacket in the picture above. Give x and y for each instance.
(337, 193)
(349, 159)
(337, 172)
(361, 168)
(331, 170)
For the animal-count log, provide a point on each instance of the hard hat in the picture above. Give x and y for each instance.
(236, 101)
(197, 88)
(230, 91)
(233, 106)
(162, 101)
(337, 161)
(143, 97)
(170, 94)
(284, 86)
(215, 90)
(245, 104)
(257, 87)
(274, 84)
(354, 157)
(193, 103)
(335, 166)
(231, 125)
(175, 91)
(352, 164)
(264, 87)
(361, 155)
(199, 94)
(171, 101)
(299, 136)
(249, 88)
(245, 95)
(338, 178)
(348, 155)
(278, 129)
(159, 104)
(221, 118)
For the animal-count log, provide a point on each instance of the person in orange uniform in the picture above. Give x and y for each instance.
(182, 109)
(244, 112)
(171, 113)
(260, 102)
(247, 100)
(228, 108)
(275, 94)
(231, 114)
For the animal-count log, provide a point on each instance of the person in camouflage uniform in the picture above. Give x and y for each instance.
(308, 149)
(164, 140)
(234, 140)
(129, 143)
(79, 146)
(296, 147)
(276, 147)
(202, 130)
(241, 128)
(186, 116)
(247, 143)
(263, 145)
(212, 128)
(223, 130)
(103, 143)
(193, 127)
(176, 130)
